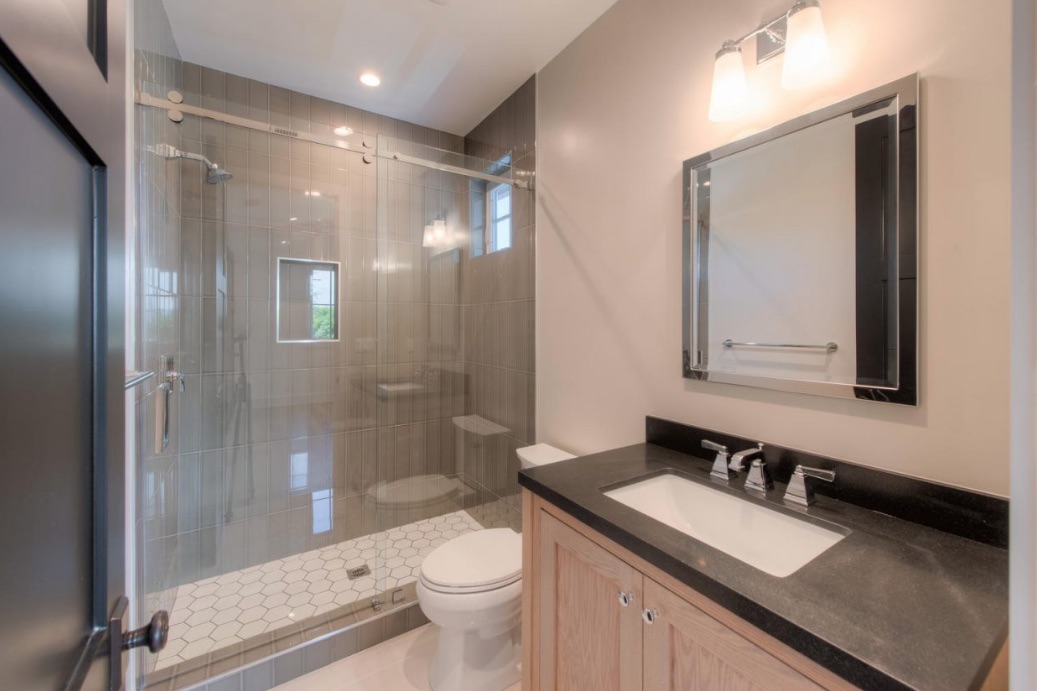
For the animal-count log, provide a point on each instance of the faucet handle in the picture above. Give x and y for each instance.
(799, 492)
(720, 469)
(713, 446)
(819, 473)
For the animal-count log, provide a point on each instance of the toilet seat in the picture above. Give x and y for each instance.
(474, 563)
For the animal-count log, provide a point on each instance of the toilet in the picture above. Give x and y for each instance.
(471, 588)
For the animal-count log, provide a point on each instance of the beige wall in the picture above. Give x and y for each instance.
(626, 103)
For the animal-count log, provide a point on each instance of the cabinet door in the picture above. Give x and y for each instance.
(685, 648)
(587, 638)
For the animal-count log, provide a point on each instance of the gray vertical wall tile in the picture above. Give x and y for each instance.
(259, 677)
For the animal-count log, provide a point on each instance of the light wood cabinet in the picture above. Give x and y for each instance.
(587, 634)
(685, 648)
(578, 635)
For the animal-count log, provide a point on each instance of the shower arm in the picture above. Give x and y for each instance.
(170, 151)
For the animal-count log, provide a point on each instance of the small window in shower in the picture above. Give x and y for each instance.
(499, 218)
(490, 212)
(307, 301)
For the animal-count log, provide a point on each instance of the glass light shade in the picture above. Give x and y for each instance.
(807, 59)
(730, 90)
(426, 239)
(439, 231)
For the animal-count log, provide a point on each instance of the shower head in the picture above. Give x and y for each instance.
(215, 175)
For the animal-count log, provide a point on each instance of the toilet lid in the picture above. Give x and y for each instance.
(482, 560)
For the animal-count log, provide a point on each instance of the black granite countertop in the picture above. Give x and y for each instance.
(893, 605)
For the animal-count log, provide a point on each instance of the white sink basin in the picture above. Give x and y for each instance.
(769, 540)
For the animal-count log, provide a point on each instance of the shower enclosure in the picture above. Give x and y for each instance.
(331, 405)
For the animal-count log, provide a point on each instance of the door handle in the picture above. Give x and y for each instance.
(154, 634)
(625, 599)
(162, 394)
(649, 615)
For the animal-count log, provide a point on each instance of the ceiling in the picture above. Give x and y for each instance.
(444, 64)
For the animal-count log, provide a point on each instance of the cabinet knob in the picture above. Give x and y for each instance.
(625, 599)
(649, 615)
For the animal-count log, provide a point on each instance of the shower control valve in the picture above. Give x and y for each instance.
(174, 377)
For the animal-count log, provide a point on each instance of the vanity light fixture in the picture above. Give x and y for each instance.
(799, 33)
(730, 90)
(806, 46)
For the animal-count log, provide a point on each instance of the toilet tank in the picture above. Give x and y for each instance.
(541, 454)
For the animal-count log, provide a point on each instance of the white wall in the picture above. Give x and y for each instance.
(626, 103)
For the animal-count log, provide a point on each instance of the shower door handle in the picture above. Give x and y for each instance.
(162, 394)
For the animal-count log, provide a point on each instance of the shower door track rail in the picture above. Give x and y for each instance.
(352, 143)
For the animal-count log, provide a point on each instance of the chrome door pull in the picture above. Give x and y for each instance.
(162, 394)
(649, 615)
(625, 599)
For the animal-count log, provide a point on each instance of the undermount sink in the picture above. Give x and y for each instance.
(773, 542)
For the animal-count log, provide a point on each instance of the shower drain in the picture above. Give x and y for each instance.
(358, 572)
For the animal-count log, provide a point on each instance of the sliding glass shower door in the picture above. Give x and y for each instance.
(339, 417)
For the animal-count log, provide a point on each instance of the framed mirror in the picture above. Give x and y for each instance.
(307, 301)
(800, 262)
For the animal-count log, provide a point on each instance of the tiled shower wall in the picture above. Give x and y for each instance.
(226, 492)
(277, 441)
(499, 301)
(157, 69)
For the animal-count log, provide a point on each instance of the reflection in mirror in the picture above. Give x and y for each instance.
(307, 301)
(800, 254)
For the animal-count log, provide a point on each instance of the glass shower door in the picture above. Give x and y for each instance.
(349, 323)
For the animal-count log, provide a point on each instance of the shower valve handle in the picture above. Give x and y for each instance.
(174, 377)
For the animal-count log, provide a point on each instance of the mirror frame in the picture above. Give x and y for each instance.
(695, 272)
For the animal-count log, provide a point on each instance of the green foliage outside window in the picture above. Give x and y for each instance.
(323, 322)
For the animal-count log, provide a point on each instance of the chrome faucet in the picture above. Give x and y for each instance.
(720, 471)
(759, 479)
(799, 492)
(740, 459)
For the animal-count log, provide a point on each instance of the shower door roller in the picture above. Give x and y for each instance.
(154, 635)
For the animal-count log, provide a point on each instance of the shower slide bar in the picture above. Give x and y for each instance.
(831, 346)
(367, 147)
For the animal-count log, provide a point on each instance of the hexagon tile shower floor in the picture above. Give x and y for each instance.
(221, 611)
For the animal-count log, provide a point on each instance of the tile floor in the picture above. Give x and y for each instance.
(219, 612)
(400, 664)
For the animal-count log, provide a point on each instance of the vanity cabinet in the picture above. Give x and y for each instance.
(596, 616)
(587, 633)
(685, 648)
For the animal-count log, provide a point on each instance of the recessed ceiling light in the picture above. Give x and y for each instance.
(343, 131)
(370, 79)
